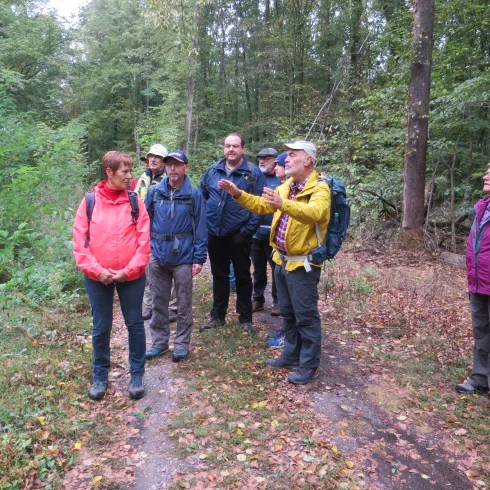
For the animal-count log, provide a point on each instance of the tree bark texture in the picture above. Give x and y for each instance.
(191, 85)
(418, 117)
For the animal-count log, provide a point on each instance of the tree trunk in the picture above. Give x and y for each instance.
(418, 114)
(191, 84)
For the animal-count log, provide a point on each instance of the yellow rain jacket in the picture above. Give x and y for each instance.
(310, 206)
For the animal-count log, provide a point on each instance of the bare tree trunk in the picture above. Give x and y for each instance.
(191, 84)
(453, 225)
(196, 133)
(418, 113)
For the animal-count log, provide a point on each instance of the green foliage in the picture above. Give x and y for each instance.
(36, 209)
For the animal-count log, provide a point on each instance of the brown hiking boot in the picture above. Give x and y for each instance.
(275, 310)
(257, 306)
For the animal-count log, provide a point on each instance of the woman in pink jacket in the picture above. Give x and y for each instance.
(112, 251)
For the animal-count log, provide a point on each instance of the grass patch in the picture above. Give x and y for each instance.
(45, 365)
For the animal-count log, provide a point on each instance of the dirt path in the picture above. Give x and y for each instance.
(386, 439)
(390, 453)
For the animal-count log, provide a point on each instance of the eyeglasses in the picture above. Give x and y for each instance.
(175, 164)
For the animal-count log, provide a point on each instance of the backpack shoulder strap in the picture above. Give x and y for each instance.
(251, 168)
(135, 211)
(190, 207)
(89, 203)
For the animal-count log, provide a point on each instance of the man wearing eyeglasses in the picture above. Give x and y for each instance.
(230, 231)
(261, 249)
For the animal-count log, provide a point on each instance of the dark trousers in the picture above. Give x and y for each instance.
(261, 255)
(222, 250)
(298, 300)
(480, 319)
(101, 300)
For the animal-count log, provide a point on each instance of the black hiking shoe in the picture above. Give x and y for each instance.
(303, 376)
(135, 388)
(280, 363)
(98, 389)
(213, 323)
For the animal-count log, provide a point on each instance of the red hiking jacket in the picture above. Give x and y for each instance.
(115, 242)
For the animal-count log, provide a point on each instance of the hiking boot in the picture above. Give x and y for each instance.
(172, 316)
(213, 323)
(277, 342)
(155, 352)
(303, 376)
(275, 310)
(179, 355)
(469, 387)
(248, 328)
(98, 389)
(257, 306)
(280, 363)
(147, 313)
(135, 388)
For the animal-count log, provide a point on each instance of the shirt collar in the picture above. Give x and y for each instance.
(298, 187)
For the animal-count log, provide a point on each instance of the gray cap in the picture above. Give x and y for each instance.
(267, 152)
(306, 146)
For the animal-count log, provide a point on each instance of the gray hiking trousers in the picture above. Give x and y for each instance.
(480, 317)
(297, 292)
(161, 285)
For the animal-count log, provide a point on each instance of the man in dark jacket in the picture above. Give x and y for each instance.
(261, 249)
(178, 252)
(230, 231)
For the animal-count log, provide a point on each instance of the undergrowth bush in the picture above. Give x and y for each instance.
(36, 213)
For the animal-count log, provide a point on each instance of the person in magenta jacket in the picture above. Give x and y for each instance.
(478, 270)
(114, 256)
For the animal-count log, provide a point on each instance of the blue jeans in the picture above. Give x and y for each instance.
(101, 299)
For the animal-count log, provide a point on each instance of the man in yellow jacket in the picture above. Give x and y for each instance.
(298, 203)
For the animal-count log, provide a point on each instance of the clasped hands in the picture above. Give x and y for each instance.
(108, 276)
(270, 197)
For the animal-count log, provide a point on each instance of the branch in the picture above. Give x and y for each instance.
(382, 199)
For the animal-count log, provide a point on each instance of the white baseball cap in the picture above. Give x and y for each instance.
(158, 150)
(306, 146)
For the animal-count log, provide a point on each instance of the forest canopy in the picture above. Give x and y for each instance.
(131, 73)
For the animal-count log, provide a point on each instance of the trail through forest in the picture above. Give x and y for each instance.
(362, 424)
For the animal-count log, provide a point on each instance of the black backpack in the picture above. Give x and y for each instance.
(90, 203)
(338, 224)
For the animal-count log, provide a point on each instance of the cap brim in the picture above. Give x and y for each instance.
(166, 159)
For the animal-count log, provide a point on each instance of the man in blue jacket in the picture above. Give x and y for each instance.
(261, 249)
(230, 231)
(178, 251)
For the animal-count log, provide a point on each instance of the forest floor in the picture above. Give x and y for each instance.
(383, 413)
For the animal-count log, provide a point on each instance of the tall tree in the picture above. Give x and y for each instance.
(418, 117)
